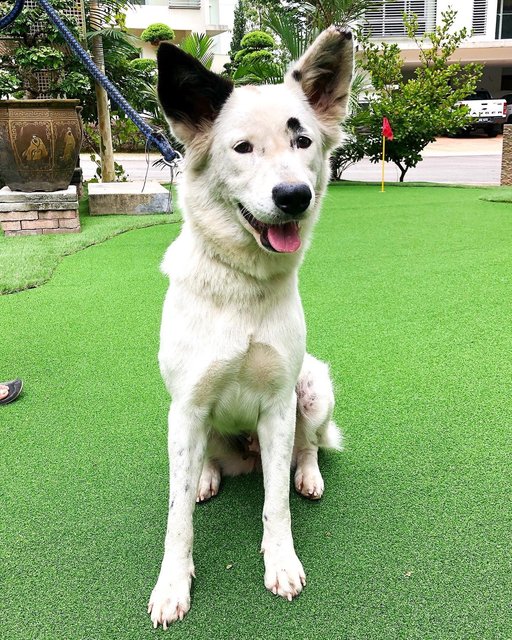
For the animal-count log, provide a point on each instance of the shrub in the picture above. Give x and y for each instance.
(9, 83)
(39, 58)
(257, 40)
(257, 47)
(144, 64)
(260, 55)
(157, 32)
(75, 84)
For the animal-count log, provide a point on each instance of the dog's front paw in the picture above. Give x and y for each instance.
(284, 574)
(309, 482)
(169, 601)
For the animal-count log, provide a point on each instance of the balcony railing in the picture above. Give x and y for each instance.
(184, 4)
(386, 21)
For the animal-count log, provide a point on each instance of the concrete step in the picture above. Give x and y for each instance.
(128, 198)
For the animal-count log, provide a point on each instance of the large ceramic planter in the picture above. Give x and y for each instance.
(39, 143)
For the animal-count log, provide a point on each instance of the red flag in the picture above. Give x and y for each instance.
(387, 131)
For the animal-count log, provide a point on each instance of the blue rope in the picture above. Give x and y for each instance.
(157, 138)
(15, 12)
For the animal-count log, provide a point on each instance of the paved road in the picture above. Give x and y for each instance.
(475, 160)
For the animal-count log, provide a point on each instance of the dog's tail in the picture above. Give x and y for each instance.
(331, 437)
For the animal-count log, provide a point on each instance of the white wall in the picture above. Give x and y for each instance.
(223, 40)
(464, 10)
(226, 10)
(492, 10)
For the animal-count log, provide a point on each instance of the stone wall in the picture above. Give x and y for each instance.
(506, 158)
(37, 213)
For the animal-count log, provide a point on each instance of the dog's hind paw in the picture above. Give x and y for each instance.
(309, 482)
(169, 602)
(284, 574)
(209, 482)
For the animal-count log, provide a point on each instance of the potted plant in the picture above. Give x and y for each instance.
(40, 136)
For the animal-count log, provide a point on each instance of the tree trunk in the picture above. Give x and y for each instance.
(103, 107)
(403, 170)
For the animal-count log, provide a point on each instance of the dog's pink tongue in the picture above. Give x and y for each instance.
(284, 237)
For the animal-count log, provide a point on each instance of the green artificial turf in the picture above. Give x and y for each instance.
(501, 194)
(408, 296)
(27, 262)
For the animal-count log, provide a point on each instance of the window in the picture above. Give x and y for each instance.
(386, 21)
(504, 20)
(184, 4)
(479, 17)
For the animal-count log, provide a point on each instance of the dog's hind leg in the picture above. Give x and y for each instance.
(314, 427)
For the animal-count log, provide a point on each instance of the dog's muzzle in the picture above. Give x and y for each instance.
(292, 198)
(281, 238)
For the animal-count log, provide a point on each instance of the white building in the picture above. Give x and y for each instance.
(213, 17)
(490, 20)
(490, 44)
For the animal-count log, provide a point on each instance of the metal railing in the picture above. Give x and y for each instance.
(184, 4)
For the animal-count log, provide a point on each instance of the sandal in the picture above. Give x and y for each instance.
(15, 387)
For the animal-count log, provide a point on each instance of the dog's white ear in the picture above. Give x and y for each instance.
(191, 95)
(324, 74)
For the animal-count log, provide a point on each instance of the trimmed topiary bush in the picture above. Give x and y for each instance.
(157, 32)
(257, 47)
(257, 40)
(260, 55)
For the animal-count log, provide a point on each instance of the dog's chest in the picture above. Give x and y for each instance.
(239, 388)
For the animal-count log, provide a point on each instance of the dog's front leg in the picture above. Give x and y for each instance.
(284, 574)
(170, 599)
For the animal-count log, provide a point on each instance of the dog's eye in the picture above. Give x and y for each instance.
(243, 147)
(303, 142)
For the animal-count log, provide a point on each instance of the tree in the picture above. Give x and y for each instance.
(420, 108)
(295, 25)
(256, 46)
(157, 33)
(33, 60)
(239, 29)
(38, 45)
(323, 13)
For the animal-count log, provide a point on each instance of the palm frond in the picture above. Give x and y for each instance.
(114, 34)
(259, 73)
(291, 35)
(340, 12)
(105, 11)
(361, 85)
(200, 46)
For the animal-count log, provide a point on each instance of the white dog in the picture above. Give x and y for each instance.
(232, 351)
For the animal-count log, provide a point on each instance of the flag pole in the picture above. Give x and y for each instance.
(387, 132)
(383, 162)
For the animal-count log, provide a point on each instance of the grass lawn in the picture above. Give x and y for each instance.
(30, 261)
(408, 295)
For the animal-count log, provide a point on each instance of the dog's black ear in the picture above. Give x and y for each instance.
(191, 95)
(324, 74)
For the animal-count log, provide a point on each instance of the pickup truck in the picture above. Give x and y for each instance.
(508, 98)
(488, 114)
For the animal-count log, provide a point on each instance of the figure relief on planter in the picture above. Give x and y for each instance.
(39, 143)
(32, 145)
(36, 150)
(69, 145)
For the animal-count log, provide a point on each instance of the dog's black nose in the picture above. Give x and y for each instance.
(292, 198)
